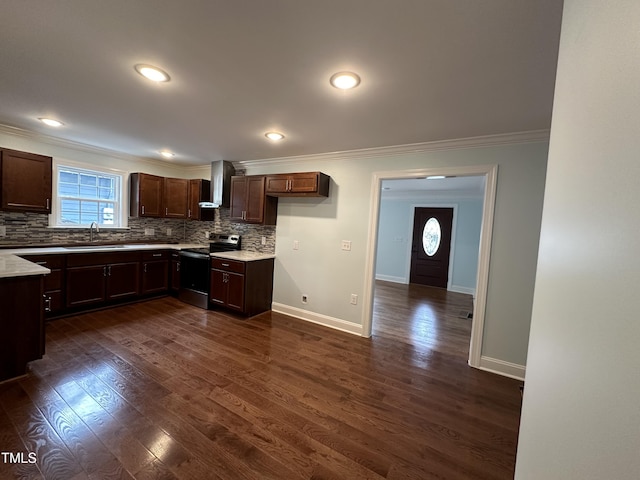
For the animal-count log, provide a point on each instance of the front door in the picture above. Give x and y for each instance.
(431, 246)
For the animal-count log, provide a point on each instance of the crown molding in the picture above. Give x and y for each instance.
(533, 136)
(84, 147)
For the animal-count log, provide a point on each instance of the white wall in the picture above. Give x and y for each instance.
(581, 412)
(329, 275)
(394, 238)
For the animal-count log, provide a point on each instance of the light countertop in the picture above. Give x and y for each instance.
(13, 266)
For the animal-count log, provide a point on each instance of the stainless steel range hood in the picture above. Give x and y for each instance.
(221, 173)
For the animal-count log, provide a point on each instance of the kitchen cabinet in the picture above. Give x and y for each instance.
(93, 278)
(155, 272)
(306, 184)
(175, 272)
(21, 324)
(199, 191)
(246, 287)
(25, 184)
(175, 197)
(53, 282)
(249, 203)
(145, 195)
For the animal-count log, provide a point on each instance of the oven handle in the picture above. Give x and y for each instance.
(194, 255)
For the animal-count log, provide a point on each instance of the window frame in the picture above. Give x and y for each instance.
(120, 211)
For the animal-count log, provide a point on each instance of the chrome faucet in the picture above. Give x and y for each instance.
(91, 230)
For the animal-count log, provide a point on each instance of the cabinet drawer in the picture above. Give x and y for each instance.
(100, 258)
(48, 261)
(227, 265)
(155, 255)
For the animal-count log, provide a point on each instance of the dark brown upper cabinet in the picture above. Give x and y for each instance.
(146, 195)
(25, 182)
(249, 202)
(175, 197)
(306, 184)
(199, 191)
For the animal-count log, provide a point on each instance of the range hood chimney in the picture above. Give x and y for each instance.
(221, 173)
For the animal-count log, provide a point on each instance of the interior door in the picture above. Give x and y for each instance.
(431, 246)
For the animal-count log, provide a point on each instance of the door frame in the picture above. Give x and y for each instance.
(453, 206)
(491, 176)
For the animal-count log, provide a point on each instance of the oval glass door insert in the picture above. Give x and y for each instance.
(431, 236)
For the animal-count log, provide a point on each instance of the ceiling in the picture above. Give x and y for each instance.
(431, 70)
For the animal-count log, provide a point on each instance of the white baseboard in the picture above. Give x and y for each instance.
(506, 369)
(325, 320)
(459, 289)
(389, 278)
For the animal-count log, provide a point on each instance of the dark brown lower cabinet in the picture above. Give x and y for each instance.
(246, 287)
(21, 323)
(53, 282)
(155, 272)
(175, 272)
(92, 278)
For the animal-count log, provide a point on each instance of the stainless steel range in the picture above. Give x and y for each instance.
(195, 268)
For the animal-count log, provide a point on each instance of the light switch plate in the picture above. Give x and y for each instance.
(149, 231)
(346, 245)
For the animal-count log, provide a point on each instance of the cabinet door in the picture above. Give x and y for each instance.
(150, 194)
(303, 183)
(155, 276)
(122, 280)
(277, 184)
(254, 207)
(26, 182)
(235, 291)
(218, 287)
(175, 274)
(176, 197)
(238, 198)
(85, 285)
(199, 191)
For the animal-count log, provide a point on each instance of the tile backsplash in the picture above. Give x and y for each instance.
(33, 229)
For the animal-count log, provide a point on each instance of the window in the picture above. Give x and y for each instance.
(431, 236)
(85, 196)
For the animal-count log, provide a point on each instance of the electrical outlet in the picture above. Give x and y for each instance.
(206, 235)
(3, 231)
(346, 245)
(354, 299)
(305, 298)
(168, 232)
(149, 231)
(264, 240)
(296, 244)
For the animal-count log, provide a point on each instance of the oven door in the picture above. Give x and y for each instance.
(194, 278)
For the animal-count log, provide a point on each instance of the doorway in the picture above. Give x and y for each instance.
(431, 246)
(489, 172)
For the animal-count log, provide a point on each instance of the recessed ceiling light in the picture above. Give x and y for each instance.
(274, 136)
(152, 73)
(167, 154)
(435, 177)
(51, 122)
(345, 80)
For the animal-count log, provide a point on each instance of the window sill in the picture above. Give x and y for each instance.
(77, 227)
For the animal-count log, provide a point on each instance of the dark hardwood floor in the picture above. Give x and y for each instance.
(163, 390)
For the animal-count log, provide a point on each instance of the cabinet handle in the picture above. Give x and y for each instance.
(145, 268)
(47, 303)
(47, 204)
(225, 264)
(157, 254)
(166, 211)
(178, 267)
(104, 271)
(41, 263)
(189, 213)
(142, 209)
(109, 270)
